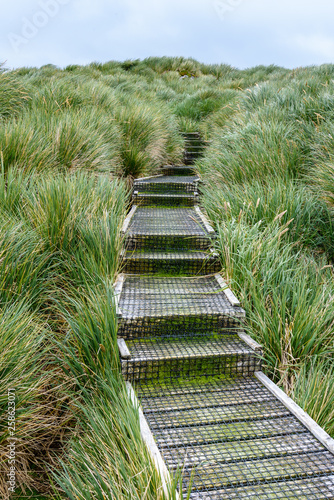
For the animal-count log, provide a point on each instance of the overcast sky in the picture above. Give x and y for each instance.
(242, 33)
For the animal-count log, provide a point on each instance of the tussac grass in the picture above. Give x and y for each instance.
(65, 137)
(268, 189)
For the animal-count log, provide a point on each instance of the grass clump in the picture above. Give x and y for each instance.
(268, 190)
(60, 236)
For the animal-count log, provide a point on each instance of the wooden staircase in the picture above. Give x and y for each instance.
(197, 375)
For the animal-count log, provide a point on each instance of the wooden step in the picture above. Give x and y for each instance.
(164, 229)
(232, 451)
(311, 488)
(167, 184)
(169, 306)
(165, 199)
(156, 360)
(190, 395)
(191, 436)
(267, 470)
(183, 262)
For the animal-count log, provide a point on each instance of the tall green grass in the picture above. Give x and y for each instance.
(60, 245)
(13, 96)
(288, 297)
(268, 190)
(71, 141)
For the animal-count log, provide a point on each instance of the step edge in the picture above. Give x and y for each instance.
(150, 194)
(118, 287)
(127, 220)
(123, 349)
(146, 178)
(297, 411)
(204, 220)
(136, 359)
(150, 443)
(227, 291)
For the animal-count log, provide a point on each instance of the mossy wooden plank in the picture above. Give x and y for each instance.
(266, 470)
(312, 488)
(218, 414)
(192, 435)
(231, 451)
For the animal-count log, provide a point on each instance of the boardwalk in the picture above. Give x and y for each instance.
(195, 372)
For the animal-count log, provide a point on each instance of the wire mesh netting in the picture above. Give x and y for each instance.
(164, 199)
(176, 262)
(172, 184)
(233, 439)
(156, 359)
(152, 306)
(167, 228)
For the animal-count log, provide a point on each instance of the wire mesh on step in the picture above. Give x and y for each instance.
(155, 360)
(173, 262)
(171, 184)
(169, 306)
(235, 440)
(167, 229)
(164, 199)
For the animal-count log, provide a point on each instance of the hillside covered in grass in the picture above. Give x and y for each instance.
(71, 143)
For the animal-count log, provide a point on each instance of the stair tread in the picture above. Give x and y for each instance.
(186, 395)
(172, 255)
(145, 194)
(166, 179)
(205, 392)
(310, 488)
(166, 222)
(147, 296)
(263, 470)
(226, 452)
(227, 345)
(181, 262)
(220, 413)
(186, 436)
(188, 168)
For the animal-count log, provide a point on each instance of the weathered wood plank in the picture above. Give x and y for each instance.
(306, 420)
(227, 291)
(312, 488)
(123, 349)
(203, 400)
(148, 439)
(186, 436)
(232, 451)
(256, 471)
(204, 220)
(118, 286)
(218, 414)
(128, 219)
